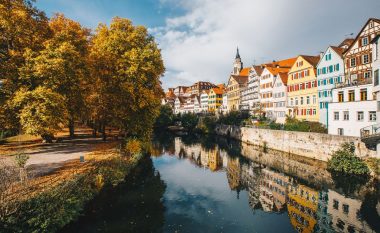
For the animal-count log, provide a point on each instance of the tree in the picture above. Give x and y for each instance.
(22, 26)
(126, 71)
(41, 111)
(61, 65)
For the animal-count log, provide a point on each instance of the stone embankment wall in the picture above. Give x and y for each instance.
(312, 145)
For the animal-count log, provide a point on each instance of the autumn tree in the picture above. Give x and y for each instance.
(126, 70)
(22, 26)
(61, 65)
(41, 111)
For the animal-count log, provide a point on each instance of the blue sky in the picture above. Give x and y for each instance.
(198, 38)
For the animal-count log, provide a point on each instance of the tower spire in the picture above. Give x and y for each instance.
(237, 53)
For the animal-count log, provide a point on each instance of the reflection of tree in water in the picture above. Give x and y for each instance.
(349, 184)
(134, 206)
(368, 209)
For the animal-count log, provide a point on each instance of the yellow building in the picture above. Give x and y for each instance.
(215, 98)
(303, 89)
(302, 207)
(236, 84)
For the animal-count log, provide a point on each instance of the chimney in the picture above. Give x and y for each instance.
(321, 55)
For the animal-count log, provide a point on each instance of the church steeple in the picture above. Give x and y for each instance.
(237, 53)
(238, 65)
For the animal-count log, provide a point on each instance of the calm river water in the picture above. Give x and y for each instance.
(216, 185)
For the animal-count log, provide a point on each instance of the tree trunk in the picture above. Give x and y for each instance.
(104, 134)
(71, 128)
(94, 129)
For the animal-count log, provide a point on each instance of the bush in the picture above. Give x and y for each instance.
(207, 125)
(133, 147)
(374, 165)
(233, 118)
(345, 161)
(292, 124)
(189, 121)
(165, 118)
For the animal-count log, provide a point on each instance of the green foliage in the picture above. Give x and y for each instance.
(21, 159)
(233, 118)
(374, 165)
(189, 121)
(165, 118)
(292, 124)
(207, 124)
(344, 161)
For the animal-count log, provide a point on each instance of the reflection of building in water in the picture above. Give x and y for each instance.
(250, 176)
(204, 157)
(273, 190)
(224, 156)
(345, 214)
(324, 218)
(302, 207)
(234, 174)
(214, 160)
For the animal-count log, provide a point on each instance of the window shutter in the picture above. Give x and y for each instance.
(358, 60)
(370, 57)
(348, 62)
(360, 42)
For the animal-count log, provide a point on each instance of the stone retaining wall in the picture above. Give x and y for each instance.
(312, 145)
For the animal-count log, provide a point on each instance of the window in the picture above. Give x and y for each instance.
(340, 96)
(337, 67)
(314, 99)
(365, 59)
(353, 62)
(340, 132)
(372, 116)
(296, 101)
(301, 100)
(363, 94)
(365, 41)
(336, 116)
(314, 111)
(307, 100)
(376, 77)
(367, 74)
(351, 95)
(336, 203)
(291, 102)
(360, 116)
(345, 208)
(346, 116)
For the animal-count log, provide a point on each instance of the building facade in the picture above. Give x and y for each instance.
(330, 72)
(303, 90)
(215, 99)
(280, 98)
(204, 101)
(358, 56)
(376, 72)
(198, 87)
(353, 108)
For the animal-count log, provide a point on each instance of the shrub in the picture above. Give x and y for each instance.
(189, 121)
(292, 124)
(374, 164)
(345, 161)
(207, 125)
(233, 118)
(133, 147)
(165, 118)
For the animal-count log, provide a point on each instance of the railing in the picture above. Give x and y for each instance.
(370, 131)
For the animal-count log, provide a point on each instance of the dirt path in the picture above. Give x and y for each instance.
(44, 158)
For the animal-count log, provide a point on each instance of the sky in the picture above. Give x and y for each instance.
(198, 38)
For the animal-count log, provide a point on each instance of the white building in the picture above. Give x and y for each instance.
(251, 95)
(352, 108)
(224, 105)
(280, 97)
(179, 104)
(204, 101)
(376, 70)
(330, 72)
(266, 92)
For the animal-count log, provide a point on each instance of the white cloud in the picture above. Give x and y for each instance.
(200, 45)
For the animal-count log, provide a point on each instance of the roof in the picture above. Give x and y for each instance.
(338, 50)
(240, 79)
(245, 71)
(221, 85)
(205, 92)
(347, 42)
(218, 91)
(182, 99)
(170, 94)
(258, 69)
(313, 60)
(284, 63)
(358, 35)
(276, 70)
(284, 78)
(372, 41)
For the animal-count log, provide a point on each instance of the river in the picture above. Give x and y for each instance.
(211, 184)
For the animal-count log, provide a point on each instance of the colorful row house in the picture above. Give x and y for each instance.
(302, 89)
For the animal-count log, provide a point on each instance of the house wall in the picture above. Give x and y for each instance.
(352, 126)
(327, 80)
(279, 100)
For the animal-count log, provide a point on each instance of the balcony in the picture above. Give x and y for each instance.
(370, 135)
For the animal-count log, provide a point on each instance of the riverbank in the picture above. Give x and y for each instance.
(47, 203)
(311, 145)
